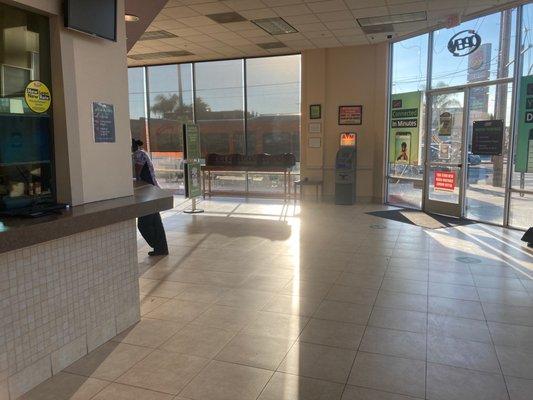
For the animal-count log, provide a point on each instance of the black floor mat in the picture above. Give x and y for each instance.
(420, 218)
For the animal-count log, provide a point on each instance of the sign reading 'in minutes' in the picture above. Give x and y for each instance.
(104, 122)
(487, 138)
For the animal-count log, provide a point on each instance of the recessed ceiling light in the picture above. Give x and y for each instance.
(153, 35)
(160, 54)
(131, 18)
(274, 26)
(393, 19)
(271, 45)
(227, 17)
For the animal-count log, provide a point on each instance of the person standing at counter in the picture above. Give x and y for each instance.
(150, 226)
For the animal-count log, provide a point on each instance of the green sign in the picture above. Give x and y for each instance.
(191, 141)
(524, 148)
(404, 137)
(193, 179)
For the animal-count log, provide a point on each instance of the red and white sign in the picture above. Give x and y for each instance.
(444, 180)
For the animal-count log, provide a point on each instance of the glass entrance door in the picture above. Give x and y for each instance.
(445, 153)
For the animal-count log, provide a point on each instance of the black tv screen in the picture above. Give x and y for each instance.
(95, 17)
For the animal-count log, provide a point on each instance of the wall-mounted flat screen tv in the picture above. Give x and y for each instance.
(94, 17)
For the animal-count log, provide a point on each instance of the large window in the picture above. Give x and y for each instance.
(244, 106)
(409, 66)
(442, 84)
(170, 104)
(273, 90)
(25, 136)
(497, 35)
(137, 96)
(409, 75)
(219, 106)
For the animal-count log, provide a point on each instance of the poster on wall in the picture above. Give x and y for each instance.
(524, 148)
(404, 146)
(315, 111)
(350, 115)
(487, 138)
(103, 122)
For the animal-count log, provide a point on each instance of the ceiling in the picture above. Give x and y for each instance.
(320, 24)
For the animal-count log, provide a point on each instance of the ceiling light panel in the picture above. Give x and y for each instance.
(275, 26)
(393, 19)
(226, 18)
(271, 45)
(160, 54)
(154, 35)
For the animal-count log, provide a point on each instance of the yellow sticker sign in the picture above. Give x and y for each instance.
(38, 97)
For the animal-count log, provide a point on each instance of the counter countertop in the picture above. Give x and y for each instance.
(17, 233)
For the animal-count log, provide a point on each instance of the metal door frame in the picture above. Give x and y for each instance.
(435, 206)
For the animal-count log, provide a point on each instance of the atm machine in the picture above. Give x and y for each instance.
(345, 167)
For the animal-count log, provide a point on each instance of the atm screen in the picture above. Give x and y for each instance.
(345, 159)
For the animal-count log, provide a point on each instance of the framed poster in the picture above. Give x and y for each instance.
(315, 111)
(350, 115)
(487, 138)
(315, 127)
(103, 122)
(315, 142)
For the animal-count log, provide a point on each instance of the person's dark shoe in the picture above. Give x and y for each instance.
(157, 253)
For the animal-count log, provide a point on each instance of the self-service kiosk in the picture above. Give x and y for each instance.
(345, 167)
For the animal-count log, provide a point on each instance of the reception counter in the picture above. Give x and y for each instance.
(18, 233)
(68, 283)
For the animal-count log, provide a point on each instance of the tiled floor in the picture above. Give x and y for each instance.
(260, 300)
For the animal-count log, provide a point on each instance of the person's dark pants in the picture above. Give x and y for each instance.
(152, 230)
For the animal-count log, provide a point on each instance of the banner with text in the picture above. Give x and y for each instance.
(524, 148)
(404, 138)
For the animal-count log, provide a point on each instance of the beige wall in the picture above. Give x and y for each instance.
(84, 70)
(346, 76)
